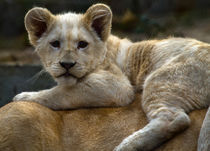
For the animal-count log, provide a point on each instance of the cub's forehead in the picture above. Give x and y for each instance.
(70, 26)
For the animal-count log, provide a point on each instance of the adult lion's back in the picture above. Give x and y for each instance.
(28, 126)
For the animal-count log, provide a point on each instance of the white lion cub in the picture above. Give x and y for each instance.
(73, 49)
(96, 69)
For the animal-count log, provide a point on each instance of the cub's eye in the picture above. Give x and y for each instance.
(55, 44)
(82, 44)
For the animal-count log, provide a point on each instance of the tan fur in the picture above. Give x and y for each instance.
(27, 126)
(173, 74)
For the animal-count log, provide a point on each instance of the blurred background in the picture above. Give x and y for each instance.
(135, 19)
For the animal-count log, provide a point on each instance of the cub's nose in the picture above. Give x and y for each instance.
(67, 65)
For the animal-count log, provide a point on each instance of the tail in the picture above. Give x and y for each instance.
(204, 138)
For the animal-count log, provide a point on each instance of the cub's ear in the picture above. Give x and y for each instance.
(37, 22)
(98, 18)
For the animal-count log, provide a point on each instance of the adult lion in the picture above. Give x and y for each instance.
(27, 126)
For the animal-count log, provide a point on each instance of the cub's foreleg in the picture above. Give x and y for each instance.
(100, 89)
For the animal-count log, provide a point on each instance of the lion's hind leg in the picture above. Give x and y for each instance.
(204, 137)
(157, 131)
(168, 94)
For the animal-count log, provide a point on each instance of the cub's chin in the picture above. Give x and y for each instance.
(66, 80)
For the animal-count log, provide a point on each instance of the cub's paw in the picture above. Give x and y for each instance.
(131, 143)
(125, 147)
(25, 96)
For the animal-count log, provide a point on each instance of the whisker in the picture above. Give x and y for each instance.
(38, 75)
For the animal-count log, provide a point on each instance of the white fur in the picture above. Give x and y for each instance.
(122, 53)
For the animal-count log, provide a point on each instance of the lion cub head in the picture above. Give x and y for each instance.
(70, 45)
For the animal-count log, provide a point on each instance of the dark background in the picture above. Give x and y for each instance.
(135, 19)
(138, 19)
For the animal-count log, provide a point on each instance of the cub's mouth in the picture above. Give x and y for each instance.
(66, 75)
